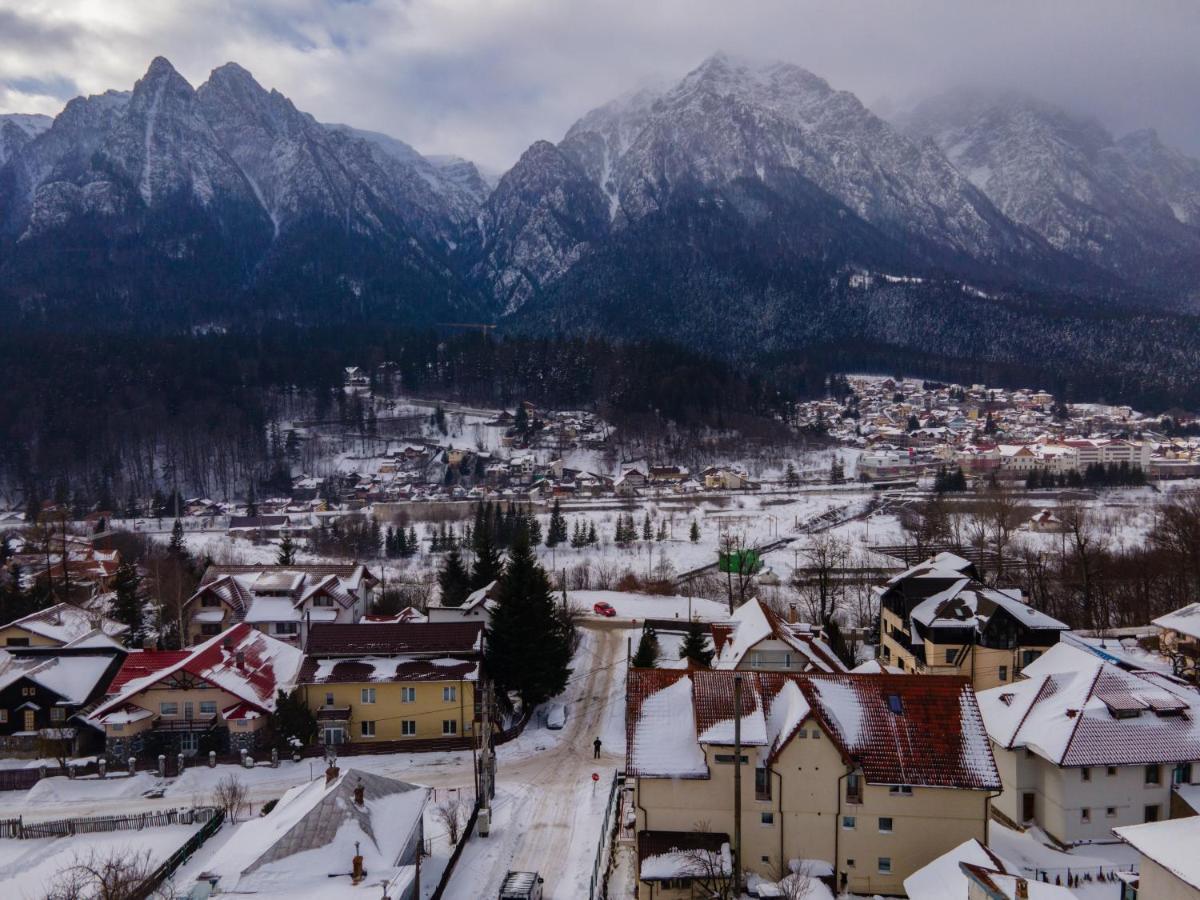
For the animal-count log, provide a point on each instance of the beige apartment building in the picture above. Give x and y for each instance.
(937, 618)
(867, 773)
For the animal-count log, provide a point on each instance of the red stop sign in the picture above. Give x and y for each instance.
(595, 776)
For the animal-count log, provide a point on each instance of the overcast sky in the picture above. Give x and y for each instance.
(484, 78)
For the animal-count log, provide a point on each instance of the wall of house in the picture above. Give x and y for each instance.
(773, 655)
(24, 638)
(806, 818)
(1156, 883)
(388, 712)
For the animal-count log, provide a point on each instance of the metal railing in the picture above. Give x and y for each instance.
(599, 881)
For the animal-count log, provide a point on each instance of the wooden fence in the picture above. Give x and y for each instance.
(99, 824)
(179, 857)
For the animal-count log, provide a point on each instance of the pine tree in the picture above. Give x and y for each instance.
(127, 606)
(251, 502)
(556, 533)
(837, 472)
(292, 725)
(647, 534)
(435, 540)
(646, 656)
(528, 647)
(287, 551)
(578, 535)
(401, 544)
(790, 476)
(662, 531)
(695, 646)
(414, 543)
(591, 537)
(454, 580)
(177, 549)
(487, 558)
(534, 529)
(694, 532)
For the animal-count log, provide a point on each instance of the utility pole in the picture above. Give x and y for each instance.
(737, 778)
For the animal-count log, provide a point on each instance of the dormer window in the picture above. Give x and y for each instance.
(322, 600)
(895, 704)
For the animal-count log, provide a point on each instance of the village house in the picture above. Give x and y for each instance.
(1084, 746)
(754, 637)
(408, 681)
(938, 618)
(63, 625)
(215, 696)
(867, 773)
(1168, 862)
(46, 693)
(972, 871)
(282, 601)
(1179, 632)
(342, 829)
(476, 608)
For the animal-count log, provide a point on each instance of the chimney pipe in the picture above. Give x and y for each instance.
(359, 792)
(331, 775)
(793, 617)
(359, 873)
(240, 658)
(1022, 889)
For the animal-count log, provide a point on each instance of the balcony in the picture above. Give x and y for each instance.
(183, 723)
(333, 714)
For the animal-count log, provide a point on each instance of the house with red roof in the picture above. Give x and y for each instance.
(1084, 746)
(873, 776)
(214, 696)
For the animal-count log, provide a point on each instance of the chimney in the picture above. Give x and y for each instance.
(359, 792)
(1022, 889)
(331, 775)
(359, 873)
(793, 617)
(240, 659)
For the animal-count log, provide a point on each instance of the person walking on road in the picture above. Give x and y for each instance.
(596, 746)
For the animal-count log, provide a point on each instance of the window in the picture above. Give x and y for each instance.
(787, 660)
(1085, 815)
(449, 726)
(1110, 812)
(287, 627)
(17, 642)
(900, 790)
(848, 823)
(57, 714)
(950, 655)
(853, 789)
(767, 818)
(762, 783)
(408, 695)
(3, 716)
(367, 695)
(1182, 774)
(850, 863)
(802, 733)
(210, 629)
(117, 727)
(408, 727)
(168, 709)
(1111, 771)
(334, 734)
(1153, 775)
(208, 600)
(895, 704)
(1085, 773)
(728, 758)
(885, 824)
(28, 692)
(1151, 813)
(368, 728)
(1029, 656)
(1004, 673)
(208, 707)
(449, 694)
(322, 600)
(885, 865)
(816, 734)
(329, 698)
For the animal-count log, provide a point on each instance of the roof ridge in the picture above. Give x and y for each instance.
(1079, 718)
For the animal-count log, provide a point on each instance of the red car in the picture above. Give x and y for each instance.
(604, 609)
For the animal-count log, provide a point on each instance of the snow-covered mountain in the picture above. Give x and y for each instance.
(18, 129)
(1130, 205)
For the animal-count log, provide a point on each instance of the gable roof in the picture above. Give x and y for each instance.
(74, 678)
(935, 738)
(1185, 621)
(65, 622)
(267, 665)
(1172, 844)
(390, 639)
(1075, 709)
(754, 622)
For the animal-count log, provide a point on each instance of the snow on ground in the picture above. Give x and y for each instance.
(1031, 851)
(28, 868)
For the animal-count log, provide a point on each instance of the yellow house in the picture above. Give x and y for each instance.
(216, 695)
(866, 777)
(937, 618)
(63, 625)
(406, 681)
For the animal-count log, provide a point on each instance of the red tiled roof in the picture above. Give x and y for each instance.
(140, 663)
(326, 640)
(935, 739)
(353, 671)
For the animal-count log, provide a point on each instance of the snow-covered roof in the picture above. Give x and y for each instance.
(895, 727)
(947, 877)
(1074, 709)
(272, 609)
(387, 668)
(752, 623)
(312, 832)
(1185, 621)
(664, 855)
(1172, 844)
(241, 661)
(65, 622)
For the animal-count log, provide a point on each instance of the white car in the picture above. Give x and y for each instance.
(556, 716)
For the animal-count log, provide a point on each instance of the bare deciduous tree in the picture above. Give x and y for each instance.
(230, 796)
(821, 579)
(450, 814)
(115, 874)
(712, 871)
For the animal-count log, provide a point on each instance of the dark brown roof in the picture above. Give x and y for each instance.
(457, 638)
(352, 671)
(344, 570)
(661, 843)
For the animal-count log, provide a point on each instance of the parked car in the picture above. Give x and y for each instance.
(521, 886)
(604, 609)
(556, 716)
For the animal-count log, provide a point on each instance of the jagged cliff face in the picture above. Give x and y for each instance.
(1128, 205)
